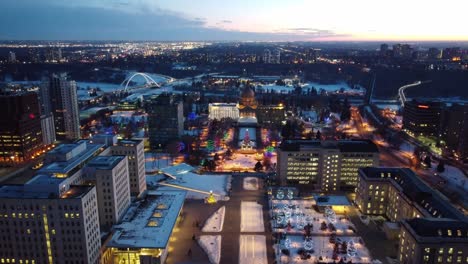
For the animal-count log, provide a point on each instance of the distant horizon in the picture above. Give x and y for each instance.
(240, 20)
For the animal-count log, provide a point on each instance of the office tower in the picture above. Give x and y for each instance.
(431, 229)
(11, 57)
(134, 150)
(406, 51)
(165, 120)
(456, 130)
(110, 176)
(20, 127)
(383, 50)
(266, 56)
(58, 96)
(397, 50)
(271, 57)
(422, 118)
(39, 223)
(223, 110)
(434, 53)
(312, 55)
(327, 166)
(48, 129)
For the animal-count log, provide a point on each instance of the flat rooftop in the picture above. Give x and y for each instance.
(149, 223)
(127, 142)
(63, 167)
(331, 200)
(105, 162)
(439, 227)
(341, 145)
(22, 191)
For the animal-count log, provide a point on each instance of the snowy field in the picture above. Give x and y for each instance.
(216, 221)
(212, 247)
(291, 216)
(252, 249)
(453, 176)
(322, 249)
(250, 183)
(251, 217)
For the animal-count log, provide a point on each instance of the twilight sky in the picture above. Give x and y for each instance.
(258, 20)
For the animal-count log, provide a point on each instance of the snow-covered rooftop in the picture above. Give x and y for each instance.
(149, 223)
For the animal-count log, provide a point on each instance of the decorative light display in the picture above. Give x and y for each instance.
(280, 194)
(308, 243)
(287, 243)
(290, 194)
(210, 145)
(180, 146)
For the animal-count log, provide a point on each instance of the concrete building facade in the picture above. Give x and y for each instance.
(39, 226)
(110, 175)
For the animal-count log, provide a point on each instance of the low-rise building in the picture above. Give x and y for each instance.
(146, 229)
(223, 110)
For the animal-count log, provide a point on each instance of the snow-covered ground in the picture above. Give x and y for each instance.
(329, 88)
(216, 221)
(299, 213)
(105, 87)
(251, 217)
(322, 248)
(250, 183)
(212, 247)
(407, 147)
(252, 249)
(453, 176)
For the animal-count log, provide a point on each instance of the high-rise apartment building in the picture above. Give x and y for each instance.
(39, 224)
(456, 130)
(20, 127)
(11, 57)
(58, 96)
(327, 166)
(110, 175)
(165, 120)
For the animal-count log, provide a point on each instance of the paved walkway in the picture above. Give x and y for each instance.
(195, 210)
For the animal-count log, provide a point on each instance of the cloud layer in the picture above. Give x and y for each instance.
(122, 20)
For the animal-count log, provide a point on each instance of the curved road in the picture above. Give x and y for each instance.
(401, 91)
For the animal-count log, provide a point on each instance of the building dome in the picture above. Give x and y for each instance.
(247, 93)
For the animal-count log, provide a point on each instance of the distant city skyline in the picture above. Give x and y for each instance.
(241, 20)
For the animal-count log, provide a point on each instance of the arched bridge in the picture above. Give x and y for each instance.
(150, 82)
